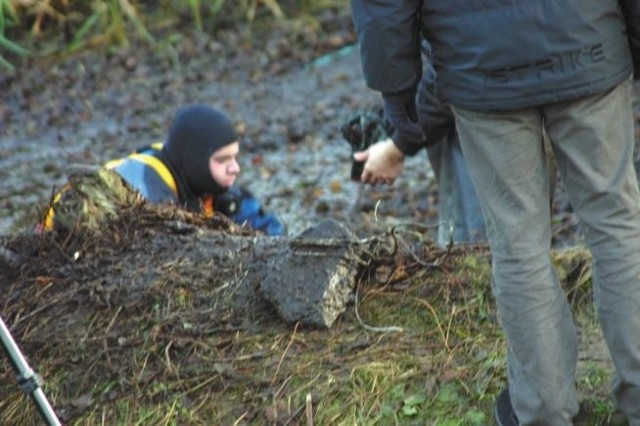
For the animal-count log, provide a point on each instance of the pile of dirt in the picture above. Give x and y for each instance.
(148, 307)
(149, 312)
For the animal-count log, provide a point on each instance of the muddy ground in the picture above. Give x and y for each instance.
(288, 95)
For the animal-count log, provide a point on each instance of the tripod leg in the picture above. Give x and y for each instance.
(27, 378)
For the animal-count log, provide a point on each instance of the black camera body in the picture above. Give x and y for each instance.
(363, 130)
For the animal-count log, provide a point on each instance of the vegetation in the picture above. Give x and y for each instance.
(34, 28)
(130, 345)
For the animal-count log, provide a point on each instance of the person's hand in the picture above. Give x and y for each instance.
(383, 160)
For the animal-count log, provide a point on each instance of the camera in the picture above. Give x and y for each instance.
(361, 131)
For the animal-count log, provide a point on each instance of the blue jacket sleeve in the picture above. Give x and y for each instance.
(243, 208)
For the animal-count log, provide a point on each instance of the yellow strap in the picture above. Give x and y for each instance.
(49, 215)
(112, 164)
(159, 167)
(152, 162)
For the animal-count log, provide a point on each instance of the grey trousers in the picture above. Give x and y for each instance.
(592, 140)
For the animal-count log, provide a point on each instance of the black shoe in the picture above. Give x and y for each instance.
(504, 411)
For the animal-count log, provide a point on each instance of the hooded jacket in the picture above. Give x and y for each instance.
(178, 172)
(195, 134)
(149, 175)
(499, 54)
(151, 178)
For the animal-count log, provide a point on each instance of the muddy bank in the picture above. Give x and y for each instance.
(288, 106)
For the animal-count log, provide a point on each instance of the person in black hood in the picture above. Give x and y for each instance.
(195, 168)
(197, 133)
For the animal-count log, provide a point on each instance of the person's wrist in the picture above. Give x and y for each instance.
(399, 99)
(394, 150)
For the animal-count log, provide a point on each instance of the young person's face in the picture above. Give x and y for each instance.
(223, 164)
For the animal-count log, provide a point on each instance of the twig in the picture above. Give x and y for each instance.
(309, 409)
(293, 335)
(167, 357)
(443, 334)
(375, 210)
(106, 333)
(239, 419)
(41, 308)
(438, 261)
(369, 327)
(277, 393)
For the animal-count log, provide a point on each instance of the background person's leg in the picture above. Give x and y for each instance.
(459, 211)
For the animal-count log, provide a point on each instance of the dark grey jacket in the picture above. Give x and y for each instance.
(499, 54)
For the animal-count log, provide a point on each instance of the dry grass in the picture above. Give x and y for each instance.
(54, 26)
(420, 344)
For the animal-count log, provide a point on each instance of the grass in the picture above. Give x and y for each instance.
(8, 18)
(59, 28)
(159, 357)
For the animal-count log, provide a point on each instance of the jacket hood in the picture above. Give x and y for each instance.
(195, 134)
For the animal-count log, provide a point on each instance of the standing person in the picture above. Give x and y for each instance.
(195, 168)
(512, 70)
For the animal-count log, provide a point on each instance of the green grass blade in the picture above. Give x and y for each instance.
(79, 38)
(6, 64)
(195, 9)
(216, 5)
(128, 9)
(8, 14)
(2, 7)
(11, 46)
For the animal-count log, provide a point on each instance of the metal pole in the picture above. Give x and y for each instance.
(28, 380)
